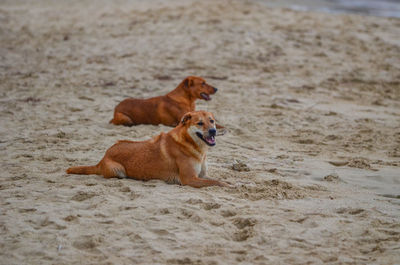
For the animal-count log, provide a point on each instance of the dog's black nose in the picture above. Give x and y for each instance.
(212, 132)
(215, 89)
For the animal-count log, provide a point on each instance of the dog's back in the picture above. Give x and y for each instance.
(145, 159)
(137, 111)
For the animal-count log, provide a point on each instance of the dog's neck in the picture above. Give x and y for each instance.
(180, 94)
(189, 141)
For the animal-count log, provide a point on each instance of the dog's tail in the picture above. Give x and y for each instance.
(83, 170)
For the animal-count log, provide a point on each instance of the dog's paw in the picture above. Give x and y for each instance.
(221, 132)
(226, 185)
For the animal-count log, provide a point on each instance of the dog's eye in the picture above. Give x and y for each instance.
(212, 121)
(203, 84)
(200, 123)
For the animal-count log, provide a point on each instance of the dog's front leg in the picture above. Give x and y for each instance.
(221, 130)
(199, 182)
(203, 170)
(188, 176)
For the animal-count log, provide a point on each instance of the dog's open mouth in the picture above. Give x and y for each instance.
(205, 96)
(209, 140)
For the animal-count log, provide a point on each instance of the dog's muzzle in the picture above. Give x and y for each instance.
(210, 138)
(205, 96)
(212, 132)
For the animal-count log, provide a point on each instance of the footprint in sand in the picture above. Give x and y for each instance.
(164, 211)
(227, 213)
(240, 166)
(352, 211)
(88, 243)
(82, 196)
(245, 226)
(161, 232)
(242, 235)
(332, 177)
(184, 261)
(194, 201)
(188, 214)
(27, 210)
(125, 189)
(71, 218)
(211, 205)
(270, 189)
(242, 223)
(356, 162)
(47, 158)
(45, 223)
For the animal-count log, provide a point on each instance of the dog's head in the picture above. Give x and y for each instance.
(198, 88)
(201, 127)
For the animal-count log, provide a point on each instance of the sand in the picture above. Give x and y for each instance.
(311, 102)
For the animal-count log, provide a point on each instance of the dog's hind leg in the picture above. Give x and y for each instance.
(112, 169)
(121, 119)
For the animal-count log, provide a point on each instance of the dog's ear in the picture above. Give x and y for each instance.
(186, 118)
(188, 82)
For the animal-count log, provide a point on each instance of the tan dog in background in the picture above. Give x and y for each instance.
(168, 109)
(178, 156)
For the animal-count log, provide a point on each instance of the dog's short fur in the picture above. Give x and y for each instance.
(168, 109)
(178, 156)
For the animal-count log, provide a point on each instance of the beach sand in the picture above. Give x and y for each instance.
(311, 102)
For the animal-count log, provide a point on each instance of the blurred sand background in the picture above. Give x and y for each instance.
(311, 101)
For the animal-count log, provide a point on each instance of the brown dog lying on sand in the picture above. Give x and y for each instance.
(178, 156)
(168, 109)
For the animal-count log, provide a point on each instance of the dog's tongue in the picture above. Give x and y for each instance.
(210, 139)
(205, 96)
